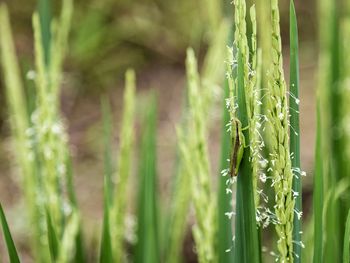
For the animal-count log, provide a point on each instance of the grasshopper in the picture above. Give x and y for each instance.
(238, 145)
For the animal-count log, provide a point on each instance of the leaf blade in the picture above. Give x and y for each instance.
(147, 248)
(11, 248)
(52, 237)
(346, 250)
(318, 193)
(295, 130)
(106, 252)
(246, 239)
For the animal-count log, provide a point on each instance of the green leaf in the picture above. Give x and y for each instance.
(318, 193)
(295, 130)
(346, 250)
(106, 252)
(52, 237)
(68, 239)
(79, 243)
(175, 228)
(246, 239)
(107, 139)
(147, 247)
(44, 7)
(124, 161)
(11, 248)
(70, 184)
(225, 232)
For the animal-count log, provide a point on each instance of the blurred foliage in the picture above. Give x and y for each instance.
(109, 36)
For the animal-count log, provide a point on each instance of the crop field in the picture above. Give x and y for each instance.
(175, 131)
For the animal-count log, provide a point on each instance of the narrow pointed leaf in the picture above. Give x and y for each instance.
(246, 238)
(147, 248)
(106, 252)
(225, 232)
(346, 250)
(295, 130)
(79, 243)
(124, 163)
(11, 248)
(68, 239)
(52, 237)
(318, 194)
(44, 7)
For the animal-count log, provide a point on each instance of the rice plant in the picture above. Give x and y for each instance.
(43, 138)
(195, 155)
(229, 213)
(11, 248)
(333, 165)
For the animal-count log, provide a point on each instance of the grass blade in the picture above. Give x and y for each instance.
(177, 223)
(194, 150)
(318, 193)
(147, 248)
(68, 239)
(79, 242)
(246, 238)
(52, 237)
(12, 77)
(346, 250)
(19, 124)
(70, 184)
(246, 246)
(225, 232)
(106, 252)
(11, 248)
(107, 138)
(124, 164)
(176, 226)
(44, 8)
(295, 131)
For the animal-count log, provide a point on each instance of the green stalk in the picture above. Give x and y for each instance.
(345, 91)
(180, 200)
(331, 99)
(194, 152)
(69, 237)
(53, 240)
(124, 163)
(295, 131)
(177, 226)
(318, 193)
(50, 135)
(225, 232)
(246, 246)
(147, 247)
(346, 250)
(107, 138)
(106, 251)
(277, 114)
(44, 7)
(11, 248)
(19, 125)
(246, 238)
(49, 144)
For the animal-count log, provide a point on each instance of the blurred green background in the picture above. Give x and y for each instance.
(151, 36)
